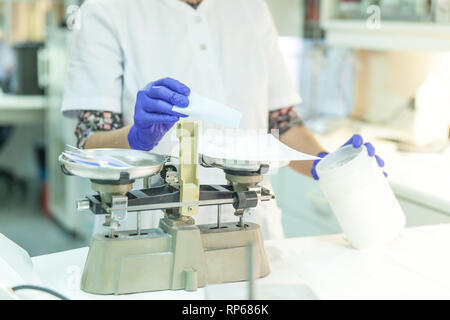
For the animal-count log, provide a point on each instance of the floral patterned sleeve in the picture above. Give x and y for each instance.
(284, 119)
(92, 121)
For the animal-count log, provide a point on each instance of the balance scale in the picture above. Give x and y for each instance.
(179, 254)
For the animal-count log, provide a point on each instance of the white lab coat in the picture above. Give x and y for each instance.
(226, 50)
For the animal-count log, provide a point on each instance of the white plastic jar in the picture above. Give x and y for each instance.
(360, 197)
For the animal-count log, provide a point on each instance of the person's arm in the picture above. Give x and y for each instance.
(116, 139)
(101, 129)
(294, 134)
(301, 139)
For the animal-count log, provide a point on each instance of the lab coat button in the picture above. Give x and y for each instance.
(203, 46)
(198, 19)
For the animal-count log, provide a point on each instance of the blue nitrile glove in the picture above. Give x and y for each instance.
(357, 141)
(153, 115)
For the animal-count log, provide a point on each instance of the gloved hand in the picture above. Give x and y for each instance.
(153, 115)
(356, 141)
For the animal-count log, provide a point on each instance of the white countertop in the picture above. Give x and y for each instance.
(62, 272)
(414, 266)
(13, 101)
(18, 109)
(419, 177)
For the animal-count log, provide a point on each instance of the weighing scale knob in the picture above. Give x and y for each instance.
(245, 200)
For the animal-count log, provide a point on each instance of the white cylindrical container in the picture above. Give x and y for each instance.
(360, 197)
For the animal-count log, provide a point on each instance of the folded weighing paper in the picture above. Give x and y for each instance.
(203, 108)
(79, 156)
(258, 147)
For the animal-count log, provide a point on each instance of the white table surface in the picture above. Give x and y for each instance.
(62, 272)
(20, 109)
(416, 265)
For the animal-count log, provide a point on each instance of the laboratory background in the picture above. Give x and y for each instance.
(380, 68)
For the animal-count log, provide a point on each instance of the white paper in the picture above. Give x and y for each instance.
(259, 147)
(203, 108)
(95, 160)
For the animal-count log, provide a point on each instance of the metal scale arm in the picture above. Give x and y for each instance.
(167, 197)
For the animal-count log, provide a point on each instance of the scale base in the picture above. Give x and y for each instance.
(171, 257)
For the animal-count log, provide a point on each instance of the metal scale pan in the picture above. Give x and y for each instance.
(143, 164)
(241, 165)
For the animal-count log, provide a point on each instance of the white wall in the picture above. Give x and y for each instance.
(387, 80)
